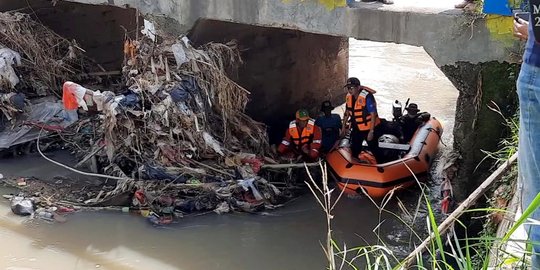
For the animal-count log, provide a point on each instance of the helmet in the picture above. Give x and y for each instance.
(388, 138)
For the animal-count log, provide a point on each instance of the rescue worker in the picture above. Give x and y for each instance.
(361, 113)
(330, 124)
(302, 139)
(411, 121)
(408, 122)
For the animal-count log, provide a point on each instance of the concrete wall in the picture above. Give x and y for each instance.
(98, 29)
(284, 69)
(446, 35)
(476, 126)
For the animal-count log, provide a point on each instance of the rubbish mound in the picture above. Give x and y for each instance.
(174, 119)
(177, 139)
(174, 142)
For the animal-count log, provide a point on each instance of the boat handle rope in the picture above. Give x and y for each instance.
(438, 134)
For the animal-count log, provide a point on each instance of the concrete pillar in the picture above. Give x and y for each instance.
(477, 127)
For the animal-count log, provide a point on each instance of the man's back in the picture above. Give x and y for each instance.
(330, 127)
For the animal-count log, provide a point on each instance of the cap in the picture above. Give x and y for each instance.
(412, 107)
(326, 105)
(353, 81)
(302, 114)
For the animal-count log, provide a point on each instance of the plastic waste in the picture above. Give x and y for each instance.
(149, 30)
(144, 212)
(247, 184)
(159, 220)
(8, 58)
(16, 100)
(44, 214)
(73, 96)
(11, 56)
(63, 209)
(130, 100)
(179, 94)
(223, 207)
(159, 173)
(22, 206)
(70, 116)
(179, 53)
(212, 143)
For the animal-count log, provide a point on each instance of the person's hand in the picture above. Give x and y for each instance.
(521, 28)
(342, 132)
(273, 149)
(305, 149)
(370, 136)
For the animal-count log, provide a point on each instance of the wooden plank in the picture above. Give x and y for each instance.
(89, 156)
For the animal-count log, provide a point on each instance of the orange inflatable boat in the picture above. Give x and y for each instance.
(377, 180)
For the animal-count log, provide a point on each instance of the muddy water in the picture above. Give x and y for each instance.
(288, 238)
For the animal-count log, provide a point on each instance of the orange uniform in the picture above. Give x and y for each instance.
(309, 138)
(358, 110)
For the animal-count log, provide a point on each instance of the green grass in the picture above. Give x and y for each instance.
(468, 253)
(461, 250)
(509, 145)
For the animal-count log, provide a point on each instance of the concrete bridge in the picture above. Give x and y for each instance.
(444, 32)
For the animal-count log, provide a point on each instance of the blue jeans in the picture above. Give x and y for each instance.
(528, 87)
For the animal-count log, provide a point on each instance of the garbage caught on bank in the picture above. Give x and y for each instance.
(175, 139)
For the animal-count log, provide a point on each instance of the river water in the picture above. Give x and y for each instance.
(288, 238)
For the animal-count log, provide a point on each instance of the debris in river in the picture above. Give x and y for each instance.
(22, 206)
(21, 182)
(176, 140)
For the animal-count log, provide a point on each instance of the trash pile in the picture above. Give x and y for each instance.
(34, 62)
(178, 136)
(172, 119)
(174, 142)
(172, 114)
(43, 59)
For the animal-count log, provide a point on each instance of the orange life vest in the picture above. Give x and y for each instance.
(359, 110)
(307, 133)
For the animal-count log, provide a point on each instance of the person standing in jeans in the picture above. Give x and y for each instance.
(528, 88)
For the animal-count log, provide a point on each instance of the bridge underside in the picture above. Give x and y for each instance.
(284, 69)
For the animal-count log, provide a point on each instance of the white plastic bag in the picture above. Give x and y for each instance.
(179, 54)
(8, 58)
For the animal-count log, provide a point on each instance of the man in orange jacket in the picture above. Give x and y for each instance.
(302, 139)
(361, 115)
